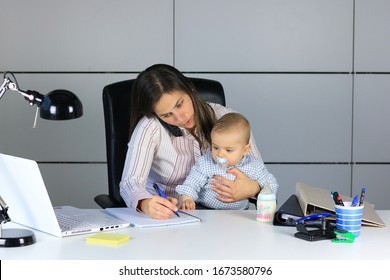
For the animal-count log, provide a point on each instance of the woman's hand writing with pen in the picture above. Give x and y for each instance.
(158, 208)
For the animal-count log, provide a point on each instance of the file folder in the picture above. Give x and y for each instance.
(288, 212)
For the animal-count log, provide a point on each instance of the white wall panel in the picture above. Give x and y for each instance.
(294, 117)
(372, 36)
(74, 184)
(371, 118)
(88, 35)
(261, 35)
(325, 176)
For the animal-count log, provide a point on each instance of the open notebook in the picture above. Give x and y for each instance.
(24, 191)
(141, 220)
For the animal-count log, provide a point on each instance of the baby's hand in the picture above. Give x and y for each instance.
(187, 203)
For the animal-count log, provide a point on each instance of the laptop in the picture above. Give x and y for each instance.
(24, 192)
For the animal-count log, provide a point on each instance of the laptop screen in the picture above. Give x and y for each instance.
(24, 191)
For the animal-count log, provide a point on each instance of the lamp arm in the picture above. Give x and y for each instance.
(4, 217)
(4, 86)
(32, 97)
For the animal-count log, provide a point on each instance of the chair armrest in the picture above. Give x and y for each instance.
(105, 201)
(253, 200)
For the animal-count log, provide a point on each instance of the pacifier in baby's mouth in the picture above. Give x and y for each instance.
(222, 161)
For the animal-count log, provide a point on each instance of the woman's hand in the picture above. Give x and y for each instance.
(230, 191)
(158, 208)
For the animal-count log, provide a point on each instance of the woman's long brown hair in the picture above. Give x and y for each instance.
(160, 79)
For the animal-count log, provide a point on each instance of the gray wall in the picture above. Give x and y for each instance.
(312, 76)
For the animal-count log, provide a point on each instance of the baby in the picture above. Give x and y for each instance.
(230, 148)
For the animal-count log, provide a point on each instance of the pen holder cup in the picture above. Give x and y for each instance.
(349, 218)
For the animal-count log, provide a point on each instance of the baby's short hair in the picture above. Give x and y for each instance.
(233, 121)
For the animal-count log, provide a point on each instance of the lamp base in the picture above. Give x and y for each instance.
(16, 237)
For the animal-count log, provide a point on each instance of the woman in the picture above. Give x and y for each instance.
(163, 96)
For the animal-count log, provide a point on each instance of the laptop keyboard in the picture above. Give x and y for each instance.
(70, 223)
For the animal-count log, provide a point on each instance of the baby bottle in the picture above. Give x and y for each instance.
(266, 204)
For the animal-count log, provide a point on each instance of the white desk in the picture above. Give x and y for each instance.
(223, 235)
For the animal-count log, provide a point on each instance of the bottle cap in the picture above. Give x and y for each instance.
(270, 196)
(266, 193)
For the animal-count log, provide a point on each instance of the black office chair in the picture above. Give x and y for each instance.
(116, 104)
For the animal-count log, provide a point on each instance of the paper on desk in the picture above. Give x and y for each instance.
(141, 220)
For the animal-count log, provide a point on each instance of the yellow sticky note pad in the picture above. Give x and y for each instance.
(108, 238)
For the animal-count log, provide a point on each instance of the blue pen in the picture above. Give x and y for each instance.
(313, 217)
(160, 193)
(362, 196)
(355, 201)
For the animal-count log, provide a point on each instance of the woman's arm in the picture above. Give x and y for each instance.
(138, 162)
(139, 158)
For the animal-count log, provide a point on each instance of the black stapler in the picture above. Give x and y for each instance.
(323, 229)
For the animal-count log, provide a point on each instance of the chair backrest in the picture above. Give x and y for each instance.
(116, 104)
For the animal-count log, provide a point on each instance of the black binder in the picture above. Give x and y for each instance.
(288, 212)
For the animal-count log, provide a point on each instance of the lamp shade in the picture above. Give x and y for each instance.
(61, 104)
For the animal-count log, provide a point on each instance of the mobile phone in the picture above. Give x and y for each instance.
(174, 130)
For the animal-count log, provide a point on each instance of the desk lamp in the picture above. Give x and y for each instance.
(58, 104)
